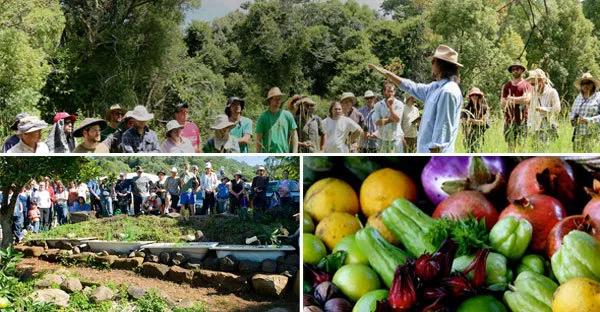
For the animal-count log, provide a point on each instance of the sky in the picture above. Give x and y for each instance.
(250, 160)
(211, 9)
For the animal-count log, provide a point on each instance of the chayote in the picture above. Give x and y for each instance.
(511, 236)
(530, 292)
(579, 256)
(497, 273)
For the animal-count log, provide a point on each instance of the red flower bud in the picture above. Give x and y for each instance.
(459, 285)
(427, 268)
(434, 293)
(317, 275)
(436, 306)
(478, 265)
(403, 295)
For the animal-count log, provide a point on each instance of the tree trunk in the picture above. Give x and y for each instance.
(6, 216)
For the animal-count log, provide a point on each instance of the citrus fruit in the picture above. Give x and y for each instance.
(353, 253)
(313, 249)
(577, 294)
(368, 302)
(384, 186)
(335, 227)
(355, 280)
(330, 195)
(308, 226)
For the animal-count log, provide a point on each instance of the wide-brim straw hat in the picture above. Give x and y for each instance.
(261, 168)
(234, 99)
(475, 91)
(538, 73)
(369, 94)
(238, 173)
(273, 92)
(140, 113)
(587, 77)
(348, 95)
(307, 101)
(172, 125)
(30, 124)
(221, 122)
(447, 54)
(15, 124)
(516, 64)
(116, 107)
(88, 122)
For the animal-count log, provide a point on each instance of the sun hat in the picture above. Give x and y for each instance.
(273, 92)
(174, 169)
(160, 171)
(15, 124)
(208, 165)
(234, 99)
(88, 122)
(369, 94)
(181, 105)
(308, 101)
(64, 115)
(238, 173)
(347, 95)
(587, 77)
(140, 113)
(475, 91)
(221, 122)
(122, 174)
(30, 124)
(194, 167)
(538, 74)
(138, 168)
(261, 168)
(172, 125)
(516, 64)
(115, 107)
(447, 54)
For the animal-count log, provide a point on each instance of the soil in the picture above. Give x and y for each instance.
(213, 299)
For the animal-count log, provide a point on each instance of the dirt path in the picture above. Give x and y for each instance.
(180, 293)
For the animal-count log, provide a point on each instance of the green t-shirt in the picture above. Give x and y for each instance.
(275, 129)
(242, 128)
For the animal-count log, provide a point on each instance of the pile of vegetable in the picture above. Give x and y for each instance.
(476, 234)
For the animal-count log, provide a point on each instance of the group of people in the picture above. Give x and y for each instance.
(42, 205)
(386, 125)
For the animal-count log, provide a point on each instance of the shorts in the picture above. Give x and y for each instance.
(187, 198)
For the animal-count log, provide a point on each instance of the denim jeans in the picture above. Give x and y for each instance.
(35, 226)
(107, 207)
(18, 222)
(221, 204)
(62, 212)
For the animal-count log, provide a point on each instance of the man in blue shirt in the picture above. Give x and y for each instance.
(94, 189)
(442, 101)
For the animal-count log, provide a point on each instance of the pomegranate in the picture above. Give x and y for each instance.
(592, 208)
(542, 175)
(562, 228)
(465, 203)
(542, 211)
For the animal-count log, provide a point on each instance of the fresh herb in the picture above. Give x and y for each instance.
(469, 234)
(333, 262)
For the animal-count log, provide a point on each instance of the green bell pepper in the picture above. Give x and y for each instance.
(579, 256)
(511, 236)
(533, 263)
(531, 292)
(497, 273)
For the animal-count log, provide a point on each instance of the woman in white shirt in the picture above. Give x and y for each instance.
(341, 132)
(61, 197)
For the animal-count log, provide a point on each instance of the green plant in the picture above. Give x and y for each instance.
(151, 302)
(80, 302)
(8, 262)
(197, 307)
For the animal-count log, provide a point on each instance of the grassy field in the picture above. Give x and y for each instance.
(227, 230)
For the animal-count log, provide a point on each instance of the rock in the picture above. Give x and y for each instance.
(179, 275)
(173, 215)
(297, 286)
(269, 266)
(152, 258)
(199, 235)
(88, 284)
(20, 248)
(103, 253)
(193, 266)
(139, 253)
(127, 263)
(84, 247)
(71, 285)
(210, 263)
(87, 290)
(51, 296)
(131, 254)
(280, 260)
(76, 250)
(64, 245)
(189, 238)
(81, 216)
(50, 255)
(83, 257)
(279, 310)
(33, 251)
(106, 260)
(101, 293)
(246, 266)
(136, 292)
(292, 260)
(177, 258)
(64, 254)
(228, 264)
(270, 285)
(221, 280)
(71, 235)
(49, 280)
(164, 257)
(150, 269)
(121, 236)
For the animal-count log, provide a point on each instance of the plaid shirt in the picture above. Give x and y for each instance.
(588, 109)
(133, 142)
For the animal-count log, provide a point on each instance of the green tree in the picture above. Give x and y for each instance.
(591, 10)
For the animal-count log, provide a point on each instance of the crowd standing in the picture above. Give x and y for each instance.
(46, 203)
(388, 125)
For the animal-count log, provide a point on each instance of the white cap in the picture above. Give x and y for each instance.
(174, 169)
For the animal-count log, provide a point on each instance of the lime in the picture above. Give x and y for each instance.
(355, 280)
(484, 303)
(368, 302)
(313, 249)
(353, 252)
(308, 226)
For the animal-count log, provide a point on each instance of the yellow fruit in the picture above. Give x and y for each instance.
(335, 227)
(376, 222)
(384, 186)
(330, 195)
(577, 295)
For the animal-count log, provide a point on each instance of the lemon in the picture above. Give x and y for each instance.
(335, 227)
(330, 195)
(577, 295)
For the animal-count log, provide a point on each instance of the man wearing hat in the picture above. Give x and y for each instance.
(514, 104)
(175, 143)
(173, 184)
(140, 188)
(190, 185)
(90, 130)
(113, 140)
(13, 140)
(114, 115)
(242, 130)
(259, 189)
(442, 100)
(208, 185)
(348, 100)
(189, 129)
(61, 139)
(585, 114)
(370, 142)
(276, 128)
(139, 138)
(387, 115)
(475, 120)
(543, 107)
(123, 191)
(222, 141)
(29, 131)
(312, 132)
(410, 124)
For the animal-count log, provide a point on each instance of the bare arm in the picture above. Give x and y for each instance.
(395, 79)
(294, 141)
(258, 143)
